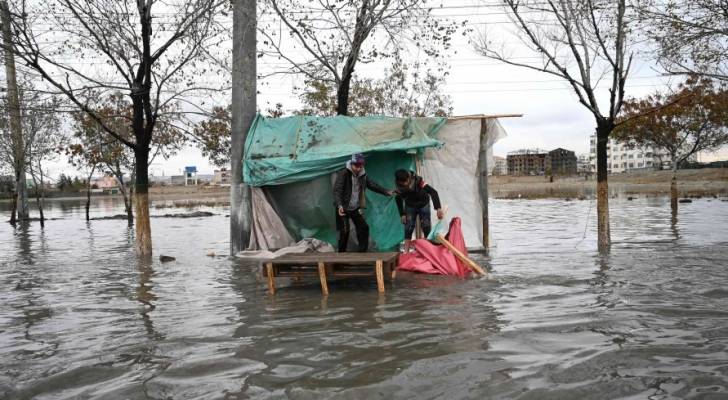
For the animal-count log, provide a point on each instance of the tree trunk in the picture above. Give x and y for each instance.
(14, 211)
(604, 128)
(21, 192)
(141, 201)
(42, 197)
(88, 191)
(673, 187)
(342, 95)
(244, 108)
(126, 196)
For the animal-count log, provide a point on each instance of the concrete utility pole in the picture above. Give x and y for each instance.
(21, 192)
(243, 110)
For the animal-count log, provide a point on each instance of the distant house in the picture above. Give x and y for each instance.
(106, 182)
(526, 162)
(500, 166)
(190, 175)
(222, 177)
(583, 164)
(561, 162)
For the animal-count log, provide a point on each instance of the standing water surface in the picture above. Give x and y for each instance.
(81, 317)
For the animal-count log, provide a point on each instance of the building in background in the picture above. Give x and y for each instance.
(628, 157)
(560, 162)
(500, 166)
(526, 162)
(190, 175)
(222, 177)
(583, 164)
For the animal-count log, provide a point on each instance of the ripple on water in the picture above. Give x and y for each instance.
(82, 317)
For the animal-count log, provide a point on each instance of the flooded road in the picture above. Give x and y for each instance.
(82, 318)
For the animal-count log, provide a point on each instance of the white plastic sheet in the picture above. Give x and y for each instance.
(454, 171)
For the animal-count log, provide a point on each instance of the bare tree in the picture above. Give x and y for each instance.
(691, 35)
(44, 138)
(585, 44)
(146, 49)
(20, 197)
(91, 145)
(336, 35)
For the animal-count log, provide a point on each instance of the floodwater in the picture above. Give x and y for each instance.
(82, 318)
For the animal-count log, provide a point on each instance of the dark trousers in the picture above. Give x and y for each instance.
(412, 215)
(361, 226)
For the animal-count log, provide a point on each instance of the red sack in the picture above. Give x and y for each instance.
(435, 259)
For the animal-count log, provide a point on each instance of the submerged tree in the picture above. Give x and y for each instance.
(584, 43)
(690, 120)
(337, 35)
(41, 136)
(92, 145)
(151, 51)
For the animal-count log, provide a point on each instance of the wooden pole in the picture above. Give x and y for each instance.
(322, 278)
(271, 278)
(484, 181)
(470, 263)
(380, 276)
(244, 78)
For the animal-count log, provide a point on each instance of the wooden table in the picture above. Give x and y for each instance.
(331, 265)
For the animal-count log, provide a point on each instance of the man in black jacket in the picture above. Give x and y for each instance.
(349, 200)
(415, 193)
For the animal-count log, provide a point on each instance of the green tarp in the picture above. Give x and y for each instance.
(300, 148)
(294, 157)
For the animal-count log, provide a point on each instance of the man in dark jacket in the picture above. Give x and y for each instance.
(349, 200)
(413, 196)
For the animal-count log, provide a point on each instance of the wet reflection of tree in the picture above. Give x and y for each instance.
(32, 277)
(673, 224)
(145, 295)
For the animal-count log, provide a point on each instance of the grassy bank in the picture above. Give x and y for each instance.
(691, 183)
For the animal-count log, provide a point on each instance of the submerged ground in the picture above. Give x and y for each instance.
(81, 317)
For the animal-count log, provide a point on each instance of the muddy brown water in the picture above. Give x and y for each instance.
(82, 318)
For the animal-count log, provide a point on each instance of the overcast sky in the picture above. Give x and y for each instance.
(552, 115)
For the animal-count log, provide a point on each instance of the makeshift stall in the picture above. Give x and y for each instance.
(290, 163)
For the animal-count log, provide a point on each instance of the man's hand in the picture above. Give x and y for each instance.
(440, 214)
(391, 193)
(403, 219)
(341, 211)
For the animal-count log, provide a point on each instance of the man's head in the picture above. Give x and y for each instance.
(402, 177)
(357, 163)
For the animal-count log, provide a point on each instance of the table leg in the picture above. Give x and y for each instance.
(380, 276)
(271, 278)
(322, 277)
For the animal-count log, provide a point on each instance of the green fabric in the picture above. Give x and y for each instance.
(299, 148)
(307, 208)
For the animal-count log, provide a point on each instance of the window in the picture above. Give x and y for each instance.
(631, 156)
(616, 157)
(640, 165)
(631, 165)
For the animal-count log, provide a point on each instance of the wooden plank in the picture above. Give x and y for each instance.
(380, 276)
(314, 258)
(470, 263)
(322, 277)
(271, 279)
(481, 116)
